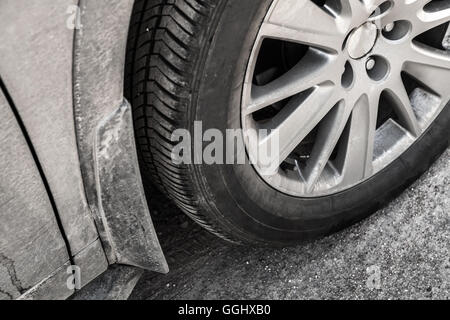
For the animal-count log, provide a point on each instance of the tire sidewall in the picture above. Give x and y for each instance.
(236, 193)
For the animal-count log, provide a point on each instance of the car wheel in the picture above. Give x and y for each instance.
(354, 93)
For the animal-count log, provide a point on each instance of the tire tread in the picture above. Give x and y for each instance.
(163, 50)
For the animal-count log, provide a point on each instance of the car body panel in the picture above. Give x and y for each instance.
(66, 85)
(36, 49)
(31, 244)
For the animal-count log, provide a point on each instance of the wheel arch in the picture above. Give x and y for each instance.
(105, 136)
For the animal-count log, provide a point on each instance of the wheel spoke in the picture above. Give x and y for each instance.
(423, 54)
(403, 106)
(327, 41)
(361, 7)
(358, 162)
(327, 138)
(297, 120)
(428, 20)
(315, 27)
(429, 66)
(310, 71)
(370, 5)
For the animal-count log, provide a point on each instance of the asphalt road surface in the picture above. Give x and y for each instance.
(402, 252)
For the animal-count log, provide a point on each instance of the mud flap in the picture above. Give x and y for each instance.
(122, 204)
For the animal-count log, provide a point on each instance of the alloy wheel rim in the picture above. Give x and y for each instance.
(361, 87)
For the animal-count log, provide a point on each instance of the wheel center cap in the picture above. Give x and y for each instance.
(361, 40)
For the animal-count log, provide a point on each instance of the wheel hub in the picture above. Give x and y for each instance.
(361, 40)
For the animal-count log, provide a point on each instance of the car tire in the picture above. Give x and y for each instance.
(186, 62)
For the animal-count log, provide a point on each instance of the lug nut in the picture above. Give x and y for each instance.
(370, 64)
(389, 27)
